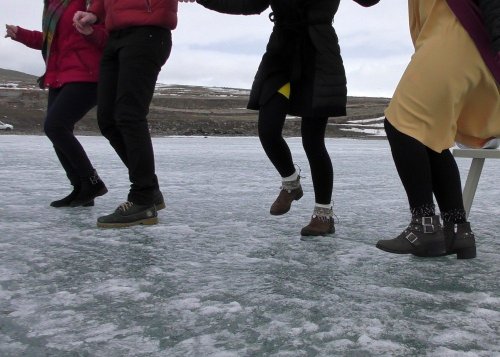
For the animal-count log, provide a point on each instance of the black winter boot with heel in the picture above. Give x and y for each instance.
(424, 237)
(90, 188)
(460, 240)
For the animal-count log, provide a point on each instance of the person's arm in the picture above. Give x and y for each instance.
(32, 39)
(96, 34)
(236, 7)
(490, 10)
(97, 8)
(367, 3)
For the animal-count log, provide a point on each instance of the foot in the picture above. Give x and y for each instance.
(159, 202)
(290, 191)
(66, 201)
(91, 188)
(321, 224)
(423, 237)
(129, 214)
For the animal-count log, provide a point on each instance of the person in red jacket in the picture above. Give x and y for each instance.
(139, 45)
(71, 74)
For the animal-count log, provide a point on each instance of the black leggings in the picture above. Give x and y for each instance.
(271, 121)
(66, 106)
(425, 172)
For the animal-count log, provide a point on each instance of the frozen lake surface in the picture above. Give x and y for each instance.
(219, 276)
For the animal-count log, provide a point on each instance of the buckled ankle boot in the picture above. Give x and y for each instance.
(290, 191)
(424, 237)
(321, 223)
(91, 187)
(460, 240)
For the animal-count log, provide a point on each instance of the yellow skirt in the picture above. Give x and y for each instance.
(447, 93)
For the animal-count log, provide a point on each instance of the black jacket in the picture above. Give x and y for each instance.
(490, 10)
(303, 49)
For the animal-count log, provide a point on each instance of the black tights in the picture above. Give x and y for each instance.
(271, 121)
(425, 172)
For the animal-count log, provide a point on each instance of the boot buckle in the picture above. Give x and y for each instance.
(428, 228)
(412, 238)
(428, 225)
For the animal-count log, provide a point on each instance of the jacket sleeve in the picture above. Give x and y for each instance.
(490, 10)
(99, 37)
(236, 7)
(367, 3)
(32, 39)
(97, 8)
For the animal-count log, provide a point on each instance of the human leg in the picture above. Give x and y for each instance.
(424, 236)
(107, 96)
(143, 51)
(66, 106)
(313, 141)
(270, 126)
(447, 189)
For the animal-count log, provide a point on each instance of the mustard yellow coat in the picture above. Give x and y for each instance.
(447, 93)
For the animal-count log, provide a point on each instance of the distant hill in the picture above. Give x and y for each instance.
(183, 110)
(23, 79)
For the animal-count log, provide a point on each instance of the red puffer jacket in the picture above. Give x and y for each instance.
(120, 14)
(73, 57)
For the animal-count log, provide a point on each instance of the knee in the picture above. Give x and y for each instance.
(269, 133)
(52, 129)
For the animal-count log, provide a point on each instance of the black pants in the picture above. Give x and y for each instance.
(66, 106)
(130, 65)
(425, 172)
(271, 121)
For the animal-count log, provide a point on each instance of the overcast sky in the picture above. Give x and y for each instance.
(212, 49)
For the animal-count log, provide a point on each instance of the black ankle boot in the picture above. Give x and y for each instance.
(91, 187)
(66, 201)
(460, 240)
(423, 237)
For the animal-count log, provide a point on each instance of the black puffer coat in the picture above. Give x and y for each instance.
(303, 49)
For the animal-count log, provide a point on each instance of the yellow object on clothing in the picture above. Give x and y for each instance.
(285, 90)
(447, 93)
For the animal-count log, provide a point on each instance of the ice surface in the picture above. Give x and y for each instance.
(219, 276)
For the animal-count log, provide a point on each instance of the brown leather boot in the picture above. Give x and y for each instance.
(423, 237)
(290, 191)
(321, 223)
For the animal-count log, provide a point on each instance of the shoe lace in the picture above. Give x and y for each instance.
(125, 206)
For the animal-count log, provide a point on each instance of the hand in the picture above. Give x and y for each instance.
(11, 31)
(84, 19)
(84, 29)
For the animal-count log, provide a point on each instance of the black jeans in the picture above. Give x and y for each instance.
(272, 117)
(66, 106)
(131, 61)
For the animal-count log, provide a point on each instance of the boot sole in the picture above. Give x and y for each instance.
(146, 222)
(160, 206)
(305, 234)
(390, 250)
(426, 254)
